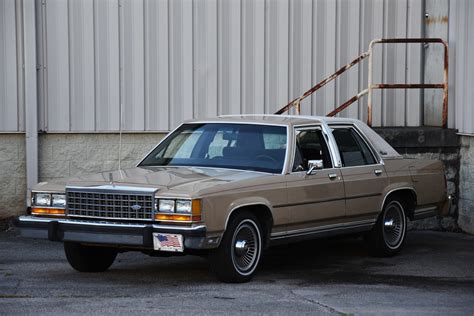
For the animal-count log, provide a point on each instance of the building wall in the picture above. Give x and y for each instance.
(12, 174)
(461, 63)
(62, 156)
(156, 63)
(466, 185)
(143, 65)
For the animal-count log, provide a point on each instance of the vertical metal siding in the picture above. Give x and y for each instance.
(371, 20)
(8, 68)
(301, 19)
(253, 56)
(205, 58)
(156, 65)
(181, 60)
(106, 65)
(81, 65)
(413, 96)
(229, 57)
(276, 54)
(323, 54)
(347, 48)
(393, 108)
(461, 16)
(57, 66)
(159, 62)
(132, 64)
(436, 25)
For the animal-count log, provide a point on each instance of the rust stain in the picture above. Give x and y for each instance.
(436, 19)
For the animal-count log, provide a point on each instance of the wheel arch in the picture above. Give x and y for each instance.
(261, 209)
(408, 199)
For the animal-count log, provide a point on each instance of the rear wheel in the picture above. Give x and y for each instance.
(239, 253)
(89, 259)
(388, 235)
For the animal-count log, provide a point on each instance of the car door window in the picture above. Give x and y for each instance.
(310, 145)
(352, 149)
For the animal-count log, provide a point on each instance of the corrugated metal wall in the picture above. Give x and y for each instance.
(461, 77)
(9, 105)
(160, 62)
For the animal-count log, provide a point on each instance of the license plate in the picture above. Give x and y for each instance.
(168, 242)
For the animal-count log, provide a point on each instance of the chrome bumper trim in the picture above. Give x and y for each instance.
(110, 233)
(33, 219)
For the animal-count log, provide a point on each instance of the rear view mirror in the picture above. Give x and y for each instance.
(229, 136)
(314, 165)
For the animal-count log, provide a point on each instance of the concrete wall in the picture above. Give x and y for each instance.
(466, 185)
(66, 155)
(62, 156)
(12, 174)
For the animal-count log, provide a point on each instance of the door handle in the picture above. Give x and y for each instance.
(332, 176)
(378, 172)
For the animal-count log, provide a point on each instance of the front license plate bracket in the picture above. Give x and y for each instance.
(168, 242)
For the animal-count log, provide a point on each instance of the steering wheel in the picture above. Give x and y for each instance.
(267, 158)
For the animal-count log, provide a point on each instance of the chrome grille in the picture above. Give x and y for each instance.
(113, 203)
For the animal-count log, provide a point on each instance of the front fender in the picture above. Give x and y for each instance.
(247, 201)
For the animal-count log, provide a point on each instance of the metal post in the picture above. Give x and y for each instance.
(369, 84)
(31, 105)
(445, 88)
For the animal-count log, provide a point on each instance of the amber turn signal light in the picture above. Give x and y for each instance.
(47, 211)
(177, 217)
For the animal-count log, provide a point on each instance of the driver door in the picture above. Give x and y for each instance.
(315, 199)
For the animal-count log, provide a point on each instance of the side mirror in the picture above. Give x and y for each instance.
(314, 165)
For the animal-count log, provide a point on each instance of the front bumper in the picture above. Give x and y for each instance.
(109, 233)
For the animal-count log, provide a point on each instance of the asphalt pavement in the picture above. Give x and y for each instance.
(434, 274)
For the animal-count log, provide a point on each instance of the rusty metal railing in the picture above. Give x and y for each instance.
(371, 86)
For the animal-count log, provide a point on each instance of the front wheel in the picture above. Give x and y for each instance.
(388, 235)
(237, 258)
(89, 259)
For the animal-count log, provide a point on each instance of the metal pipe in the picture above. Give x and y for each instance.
(369, 84)
(348, 102)
(31, 100)
(445, 88)
(408, 86)
(322, 83)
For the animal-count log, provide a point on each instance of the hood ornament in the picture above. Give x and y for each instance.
(111, 179)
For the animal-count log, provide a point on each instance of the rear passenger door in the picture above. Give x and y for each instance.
(363, 173)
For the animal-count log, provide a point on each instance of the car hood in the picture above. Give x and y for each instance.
(186, 181)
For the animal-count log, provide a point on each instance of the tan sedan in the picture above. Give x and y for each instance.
(231, 186)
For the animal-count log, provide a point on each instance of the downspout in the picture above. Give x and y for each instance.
(31, 100)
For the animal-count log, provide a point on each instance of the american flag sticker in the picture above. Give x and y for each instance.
(168, 242)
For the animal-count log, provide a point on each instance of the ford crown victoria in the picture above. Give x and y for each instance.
(231, 186)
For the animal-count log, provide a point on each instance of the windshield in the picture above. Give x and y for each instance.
(223, 145)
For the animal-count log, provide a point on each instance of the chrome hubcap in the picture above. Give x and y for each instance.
(241, 247)
(246, 247)
(393, 225)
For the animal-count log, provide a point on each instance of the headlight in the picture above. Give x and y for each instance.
(176, 210)
(166, 206)
(59, 200)
(183, 206)
(42, 199)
